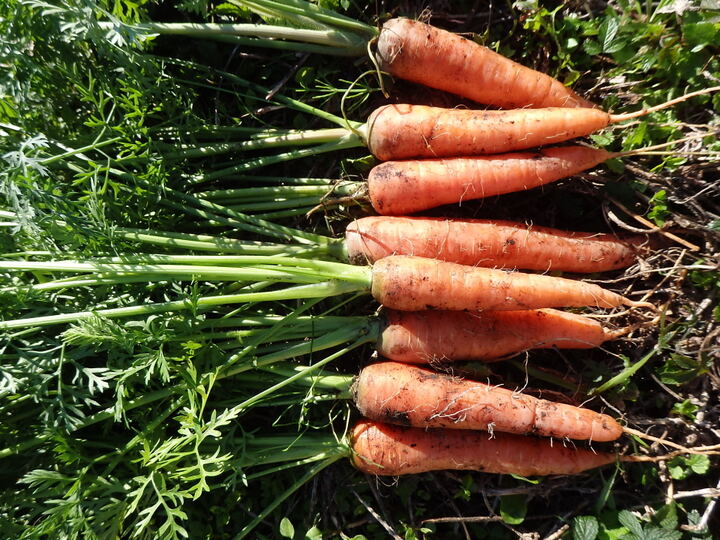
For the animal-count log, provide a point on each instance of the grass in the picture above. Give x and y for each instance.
(133, 429)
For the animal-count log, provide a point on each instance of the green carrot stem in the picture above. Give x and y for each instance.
(367, 332)
(311, 472)
(242, 221)
(280, 179)
(349, 140)
(351, 43)
(297, 138)
(293, 212)
(204, 242)
(299, 202)
(313, 12)
(264, 91)
(285, 466)
(75, 151)
(251, 194)
(154, 272)
(315, 290)
(324, 380)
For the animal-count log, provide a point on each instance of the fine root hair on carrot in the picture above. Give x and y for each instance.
(489, 243)
(379, 72)
(387, 450)
(410, 395)
(615, 118)
(696, 451)
(700, 450)
(650, 150)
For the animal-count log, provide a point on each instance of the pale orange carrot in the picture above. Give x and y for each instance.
(440, 59)
(409, 395)
(411, 283)
(405, 131)
(488, 243)
(388, 450)
(422, 337)
(398, 188)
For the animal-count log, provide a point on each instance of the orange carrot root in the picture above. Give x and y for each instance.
(414, 283)
(433, 57)
(409, 395)
(405, 131)
(409, 131)
(404, 187)
(493, 244)
(387, 450)
(439, 336)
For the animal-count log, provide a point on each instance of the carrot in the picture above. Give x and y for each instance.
(388, 450)
(400, 282)
(405, 48)
(416, 396)
(488, 243)
(440, 59)
(409, 283)
(438, 336)
(408, 186)
(407, 131)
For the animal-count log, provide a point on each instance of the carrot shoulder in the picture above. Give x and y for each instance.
(440, 59)
(404, 187)
(387, 450)
(487, 243)
(422, 337)
(415, 283)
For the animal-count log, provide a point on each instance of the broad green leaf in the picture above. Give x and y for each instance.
(656, 533)
(592, 47)
(631, 522)
(313, 534)
(585, 528)
(699, 35)
(513, 509)
(667, 517)
(685, 408)
(699, 464)
(608, 34)
(286, 528)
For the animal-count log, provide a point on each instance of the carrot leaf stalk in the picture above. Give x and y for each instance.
(405, 283)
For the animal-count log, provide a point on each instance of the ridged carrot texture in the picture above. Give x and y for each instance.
(488, 243)
(416, 396)
(422, 337)
(415, 283)
(387, 450)
(399, 188)
(437, 58)
(408, 131)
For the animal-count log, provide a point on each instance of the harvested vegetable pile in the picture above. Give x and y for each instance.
(189, 346)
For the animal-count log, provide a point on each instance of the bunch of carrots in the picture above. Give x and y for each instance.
(465, 270)
(450, 289)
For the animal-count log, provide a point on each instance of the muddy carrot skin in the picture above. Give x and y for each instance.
(398, 188)
(409, 131)
(409, 395)
(387, 450)
(409, 283)
(488, 243)
(437, 58)
(423, 337)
